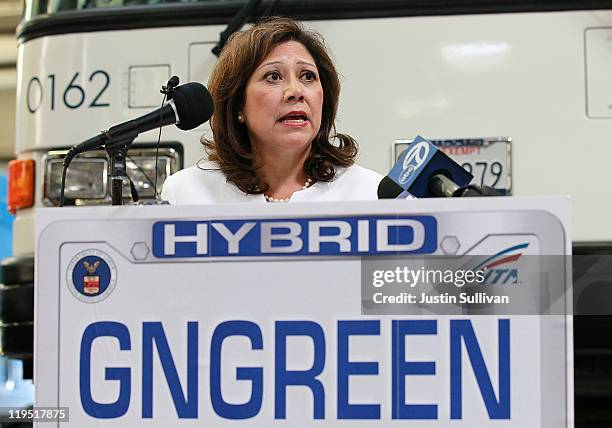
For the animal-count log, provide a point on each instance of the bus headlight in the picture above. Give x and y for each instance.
(141, 169)
(87, 180)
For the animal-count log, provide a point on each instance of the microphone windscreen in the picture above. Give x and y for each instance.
(388, 189)
(194, 105)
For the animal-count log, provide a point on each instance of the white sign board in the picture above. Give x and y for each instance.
(221, 316)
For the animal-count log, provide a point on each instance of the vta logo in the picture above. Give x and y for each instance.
(413, 160)
(496, 272)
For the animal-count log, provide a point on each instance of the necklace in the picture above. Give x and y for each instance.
(271, 199)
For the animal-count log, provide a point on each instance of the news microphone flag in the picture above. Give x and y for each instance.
(418, 164)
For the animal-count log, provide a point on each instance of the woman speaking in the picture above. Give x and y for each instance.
(275, 92)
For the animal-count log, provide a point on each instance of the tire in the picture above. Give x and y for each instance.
(17, 270)
(17, 340)
(16, 303)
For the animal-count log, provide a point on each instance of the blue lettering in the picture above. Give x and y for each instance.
(254, 374)
(401, 368)
(512, 277)
(463, 329)
(498, 275)
(284, 377)
(185, 394)
(346, 329)
(121, 374)
(296, 237)
(186, 407)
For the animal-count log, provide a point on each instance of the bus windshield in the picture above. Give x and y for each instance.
(35, 8)
(82, 15)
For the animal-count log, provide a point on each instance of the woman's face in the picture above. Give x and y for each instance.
(284, 100)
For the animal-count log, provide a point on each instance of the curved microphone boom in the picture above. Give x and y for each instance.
(191, 106)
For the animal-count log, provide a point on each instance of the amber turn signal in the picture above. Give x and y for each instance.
(20, 184)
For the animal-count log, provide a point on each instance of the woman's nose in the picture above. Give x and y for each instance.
(293, 91)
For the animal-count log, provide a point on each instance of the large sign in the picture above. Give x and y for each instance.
(192, 316)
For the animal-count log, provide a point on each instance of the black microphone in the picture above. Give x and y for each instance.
(474, 190)
(424, 171)
(191, 106)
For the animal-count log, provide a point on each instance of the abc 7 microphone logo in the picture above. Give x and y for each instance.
(413, 160)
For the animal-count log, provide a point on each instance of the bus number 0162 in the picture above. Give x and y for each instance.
(73, 95)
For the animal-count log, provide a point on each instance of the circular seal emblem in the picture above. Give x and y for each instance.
(91, 276)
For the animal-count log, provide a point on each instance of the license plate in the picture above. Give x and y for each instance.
(487, 159)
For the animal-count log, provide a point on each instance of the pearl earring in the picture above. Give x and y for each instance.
(240, 118)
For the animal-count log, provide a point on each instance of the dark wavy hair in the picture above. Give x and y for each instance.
(230, 147)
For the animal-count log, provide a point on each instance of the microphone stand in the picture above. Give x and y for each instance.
(117, 153)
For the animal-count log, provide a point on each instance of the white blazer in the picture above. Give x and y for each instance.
(202, 185)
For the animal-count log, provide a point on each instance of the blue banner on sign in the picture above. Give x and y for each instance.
(371, 235)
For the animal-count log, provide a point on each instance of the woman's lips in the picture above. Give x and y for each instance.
(298, 123)
(295, 119)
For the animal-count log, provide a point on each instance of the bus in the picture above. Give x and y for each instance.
(518, 92)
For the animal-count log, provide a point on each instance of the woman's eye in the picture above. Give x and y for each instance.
(273, 76)
(309, 75)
